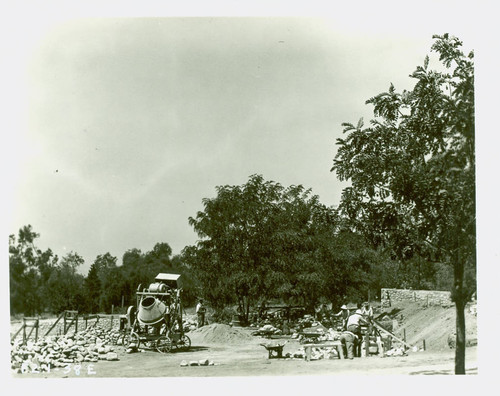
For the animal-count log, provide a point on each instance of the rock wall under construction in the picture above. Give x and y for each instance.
(429, 297)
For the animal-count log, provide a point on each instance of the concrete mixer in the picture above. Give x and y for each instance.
(156, 320)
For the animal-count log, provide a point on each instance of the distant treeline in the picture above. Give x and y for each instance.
(40, 281)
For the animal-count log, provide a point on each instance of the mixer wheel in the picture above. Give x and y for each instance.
(131, 339)
(163, 344)
(184, 343)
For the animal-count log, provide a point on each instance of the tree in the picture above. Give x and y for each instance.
(258, 241)
(29, 269)
(106, 272)
(412, 171)
(66, 285)
(93, 288)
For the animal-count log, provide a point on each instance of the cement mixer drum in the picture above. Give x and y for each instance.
(151, 311)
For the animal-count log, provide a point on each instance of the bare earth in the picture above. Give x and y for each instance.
(238, 354)
(250, 359)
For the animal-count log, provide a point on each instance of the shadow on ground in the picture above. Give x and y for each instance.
(191, 349)
(442, 372)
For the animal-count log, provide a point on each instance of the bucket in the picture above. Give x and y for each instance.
(151, 311)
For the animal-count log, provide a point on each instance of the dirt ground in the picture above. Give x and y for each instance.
(251, 359)
(241, 355)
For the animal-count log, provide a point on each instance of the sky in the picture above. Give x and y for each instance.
(128, 123)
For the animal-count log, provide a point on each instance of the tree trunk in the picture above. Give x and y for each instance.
(460, 300)
(247, 312)
(460, 338)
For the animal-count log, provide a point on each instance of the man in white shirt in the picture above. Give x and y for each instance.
(354, 323)
(354, 327)
(200, 312)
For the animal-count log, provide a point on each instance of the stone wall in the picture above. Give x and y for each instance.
(429, 297)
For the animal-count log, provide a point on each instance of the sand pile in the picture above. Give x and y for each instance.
(218, 333)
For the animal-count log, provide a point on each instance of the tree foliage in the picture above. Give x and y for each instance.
(29, 270)
(262, 241)
(40, 281)
(412, 170)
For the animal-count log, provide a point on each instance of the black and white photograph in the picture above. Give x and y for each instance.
(238, 194)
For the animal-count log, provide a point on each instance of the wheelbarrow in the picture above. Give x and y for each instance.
(275, 350)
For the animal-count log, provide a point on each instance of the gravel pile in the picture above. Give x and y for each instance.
(218, 333)
(90, 345)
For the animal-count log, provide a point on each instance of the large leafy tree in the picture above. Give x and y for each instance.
(412, 172)
(258, 241)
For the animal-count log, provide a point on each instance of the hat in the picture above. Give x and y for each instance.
(343, 307)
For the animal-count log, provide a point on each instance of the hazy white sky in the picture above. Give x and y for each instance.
(128, 123)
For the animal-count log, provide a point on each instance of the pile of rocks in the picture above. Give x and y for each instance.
(189, 325)
(267, 330)
(91, 345)
(202, 362)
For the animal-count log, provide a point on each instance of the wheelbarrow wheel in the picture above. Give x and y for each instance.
(184, 343)
(163, 344)
(131, 340)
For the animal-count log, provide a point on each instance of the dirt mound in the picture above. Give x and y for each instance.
(217, 333)
(433, 324)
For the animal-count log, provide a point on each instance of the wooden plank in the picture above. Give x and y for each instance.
(70, 324)
(391, 334)
(55, 323)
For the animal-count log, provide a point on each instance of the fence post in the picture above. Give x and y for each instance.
(24, 331)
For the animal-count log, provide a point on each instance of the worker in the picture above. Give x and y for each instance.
(354, 322)
(344, 313)
(354, 325)
(367, 310)
(349, 341)
(200, 312)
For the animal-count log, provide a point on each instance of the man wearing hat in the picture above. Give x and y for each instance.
(344, 313)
